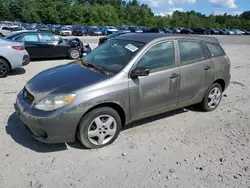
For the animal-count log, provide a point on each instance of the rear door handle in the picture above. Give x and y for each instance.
(207, 67)
(174, 75)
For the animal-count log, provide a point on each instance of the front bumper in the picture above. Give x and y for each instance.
(47, 127)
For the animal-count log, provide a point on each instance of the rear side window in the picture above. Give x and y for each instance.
(29, 38)
(215, 50)
(190, 51)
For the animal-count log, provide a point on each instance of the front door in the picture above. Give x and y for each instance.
(158, 91)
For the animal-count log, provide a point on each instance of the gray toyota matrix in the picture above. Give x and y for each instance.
(130, 77)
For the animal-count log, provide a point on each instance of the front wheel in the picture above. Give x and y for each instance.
(74, 53)
(212, 98)
(99, 128)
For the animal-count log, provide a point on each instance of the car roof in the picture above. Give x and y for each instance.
(148, 37)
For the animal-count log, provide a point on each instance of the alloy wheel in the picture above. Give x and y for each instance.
(3, 69)
(214, 97)
(102, 129)
(75, 54)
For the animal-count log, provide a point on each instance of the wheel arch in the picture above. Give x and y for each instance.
(113, 105)
(221, 82)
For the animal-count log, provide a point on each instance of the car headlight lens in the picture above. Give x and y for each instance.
(53, 102)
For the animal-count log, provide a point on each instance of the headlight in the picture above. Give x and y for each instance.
(53, 102)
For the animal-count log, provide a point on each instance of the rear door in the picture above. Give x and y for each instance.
(195, 69)
(32, 44)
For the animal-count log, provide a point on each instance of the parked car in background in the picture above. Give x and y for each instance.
(64, 31)
(110, 36)
(222, 32)
(43, 28)
(135, 29)
(238, 32)
(5, 30)
(28, 28)
(49, 45)
(213, 31)
(154, 30)
(130, 77)
(201, 31)
(168, 30)
(123, 29)
(94, 32)
(176, 30)
(229, 32)
(187, 31)
(108, 30)
(79, 31)
(12, 55)
(246, 32)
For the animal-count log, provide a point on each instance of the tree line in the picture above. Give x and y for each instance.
(111, 12)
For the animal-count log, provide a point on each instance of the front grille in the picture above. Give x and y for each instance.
(28, 97)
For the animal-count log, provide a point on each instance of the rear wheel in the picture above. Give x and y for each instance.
(99, 128)
(212, 98)
(4, 68)
(74, 53)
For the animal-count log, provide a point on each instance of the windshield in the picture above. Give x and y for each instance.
(114, 55)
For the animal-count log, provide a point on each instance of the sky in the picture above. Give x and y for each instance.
(167, 7)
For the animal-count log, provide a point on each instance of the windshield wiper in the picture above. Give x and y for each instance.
(87, 64)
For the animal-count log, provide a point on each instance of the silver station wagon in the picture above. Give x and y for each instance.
(130, 77)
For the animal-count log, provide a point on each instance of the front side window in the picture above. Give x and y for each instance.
(215, 50)
(159, 56)
(29, 38)
(114, 55)
(47, 37)
(190, 51)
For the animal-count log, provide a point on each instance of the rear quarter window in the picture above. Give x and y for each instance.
(215, 50)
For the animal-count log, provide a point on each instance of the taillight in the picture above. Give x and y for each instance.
(20, 48)
(228, 60)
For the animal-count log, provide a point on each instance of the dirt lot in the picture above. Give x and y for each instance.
(185, 148)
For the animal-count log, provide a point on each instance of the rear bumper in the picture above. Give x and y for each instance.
(227, 82)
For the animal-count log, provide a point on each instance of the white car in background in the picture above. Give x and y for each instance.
(5, 30)
(65, 31)
(238, 32)
(12, 55)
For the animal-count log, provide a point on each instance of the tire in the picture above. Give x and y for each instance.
(102, 138)
(204, 105)
(4, 68)
(74, 53)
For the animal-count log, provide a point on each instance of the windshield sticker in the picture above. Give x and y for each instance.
(131, 47)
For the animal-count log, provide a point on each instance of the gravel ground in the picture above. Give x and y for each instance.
(185, 148)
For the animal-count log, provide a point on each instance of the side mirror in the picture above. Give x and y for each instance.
(60, 40)
(139, 71)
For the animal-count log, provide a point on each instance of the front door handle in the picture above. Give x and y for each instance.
(174, 75)
(207, 67)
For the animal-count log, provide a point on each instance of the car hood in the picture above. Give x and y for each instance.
(63, 79)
